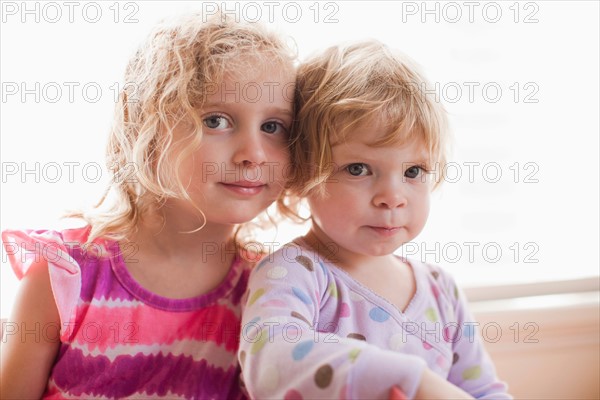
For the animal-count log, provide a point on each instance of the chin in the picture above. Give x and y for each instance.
(383, 250)
(239, 217)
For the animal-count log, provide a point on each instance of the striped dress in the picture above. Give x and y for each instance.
(120, 340)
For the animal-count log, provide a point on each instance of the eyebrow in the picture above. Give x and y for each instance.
(420, 158)
(277, 110)
(283, 111)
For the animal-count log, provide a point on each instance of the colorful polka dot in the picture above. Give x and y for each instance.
(301, 295)
(435, 274)
(292, 395)
(300, 317)
(441, 362)
(353, 355)
(255, 296)
(378, 314)
(252, 324)
(257, 346)
(450, 334)
(456, 292)
(333, 292)
(472, 373)
(344, 310)
(498, 385)
(305, 262)
(324, 376)
(302, 349)
(357, 336)
(274, 303)
(455, 358)
(277, 272)
(323, 268)
(426, 345)
(431, 314)
(397, 341)
(469, 330)
(291, 333)
(242, 358)
(435, 291)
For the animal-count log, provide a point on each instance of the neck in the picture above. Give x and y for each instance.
(171, 233)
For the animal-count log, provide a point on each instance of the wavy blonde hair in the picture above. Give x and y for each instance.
(166, 81)
(346, 85)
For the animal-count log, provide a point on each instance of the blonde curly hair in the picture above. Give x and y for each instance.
(167, 80)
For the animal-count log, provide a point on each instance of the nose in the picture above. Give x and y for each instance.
(250, 149)
(389, 195)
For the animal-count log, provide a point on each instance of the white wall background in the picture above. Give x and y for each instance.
(539, 131)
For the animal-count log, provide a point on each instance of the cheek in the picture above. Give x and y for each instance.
(337, 208)
(281, 161)
(422, 205)
(322, 210)
(278, 163)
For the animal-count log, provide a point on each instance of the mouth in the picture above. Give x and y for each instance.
(385, 230)
(247, 188)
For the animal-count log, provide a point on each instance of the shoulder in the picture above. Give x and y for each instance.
(441, 281)
(28, 246)
(293, 266)
(49, 262)
(295, 256)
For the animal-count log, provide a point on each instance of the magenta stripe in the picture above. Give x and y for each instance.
(157, 374)
(97, 279)
(240, 288)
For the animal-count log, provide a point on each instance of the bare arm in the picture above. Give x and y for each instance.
(31, 338)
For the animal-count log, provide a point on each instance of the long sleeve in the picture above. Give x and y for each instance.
(472, 369)
(292, 345)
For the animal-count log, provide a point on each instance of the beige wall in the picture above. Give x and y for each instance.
(556, 353)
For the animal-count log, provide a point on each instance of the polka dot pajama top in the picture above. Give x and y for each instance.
(309, 330)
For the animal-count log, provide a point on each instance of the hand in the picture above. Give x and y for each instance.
(396, 394)
(433, 386)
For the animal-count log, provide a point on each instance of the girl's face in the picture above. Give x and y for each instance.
(238, 171)
(377, 198)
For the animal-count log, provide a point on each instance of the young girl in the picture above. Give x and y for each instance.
(335, 314)
(145, 300)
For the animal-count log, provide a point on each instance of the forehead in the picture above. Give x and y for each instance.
(269, 87)
(356, 149)
(252, 68)
(263, 84)
(375, 132)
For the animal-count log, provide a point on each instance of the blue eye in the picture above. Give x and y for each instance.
(357, 169)
(216, 122)
(413, 172)
(272, 127)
